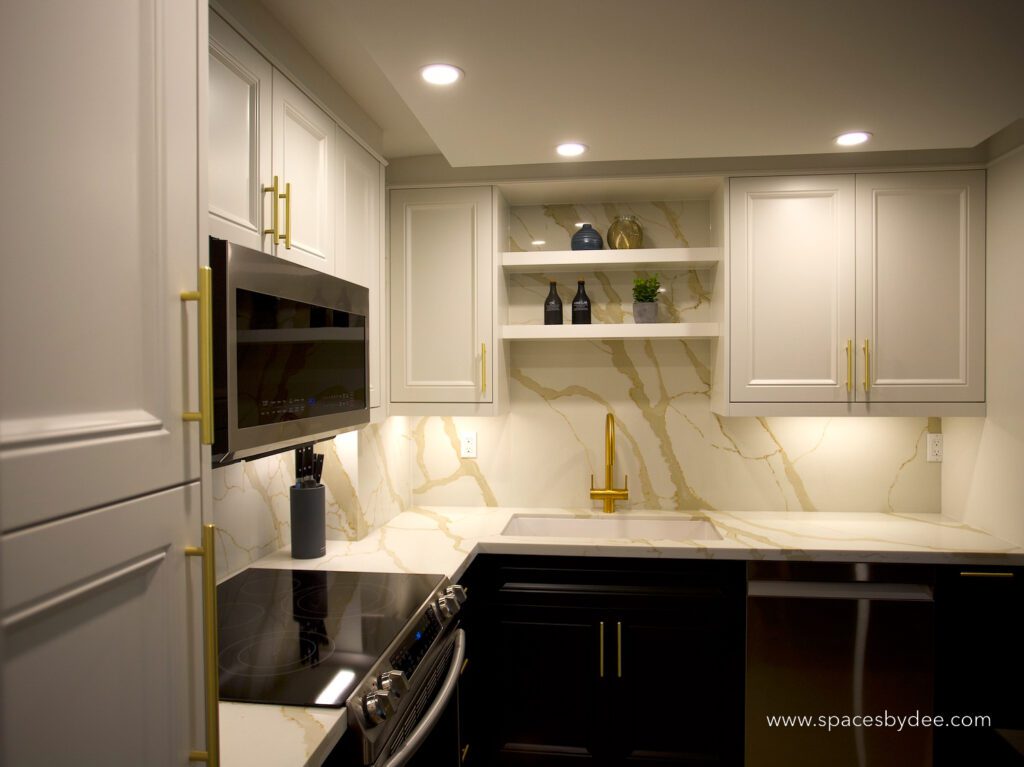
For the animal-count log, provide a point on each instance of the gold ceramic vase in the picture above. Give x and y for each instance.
(624, 233)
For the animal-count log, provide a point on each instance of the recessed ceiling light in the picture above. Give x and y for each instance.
(580, 224)
(852, 139)
(441, 74)
(539, 242)
(571, 149)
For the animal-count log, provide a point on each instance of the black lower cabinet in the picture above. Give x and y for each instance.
(980, 665)
(607, 661)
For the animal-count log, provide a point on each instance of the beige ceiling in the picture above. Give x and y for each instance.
(658, 79)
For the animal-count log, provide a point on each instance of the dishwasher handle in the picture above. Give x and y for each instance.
(444, 695)
(879, 592)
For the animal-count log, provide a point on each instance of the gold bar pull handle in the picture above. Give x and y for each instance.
(287, 197)
(205, 298)
(211, 681)
(600, 649)
(867, 365)
(849, 365)
(985, 574)
(275, 224)
(618, 647)
(483, 368)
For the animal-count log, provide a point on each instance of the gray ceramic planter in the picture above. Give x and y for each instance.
(646, 311)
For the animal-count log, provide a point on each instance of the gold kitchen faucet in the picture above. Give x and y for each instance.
(609, 494)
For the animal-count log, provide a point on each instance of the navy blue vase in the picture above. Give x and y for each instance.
(587, 238)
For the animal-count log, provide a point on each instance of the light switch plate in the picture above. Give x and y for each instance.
(934, 448)
(467, 444)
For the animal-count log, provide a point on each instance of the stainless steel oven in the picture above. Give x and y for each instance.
(387, 646)
(290, 349)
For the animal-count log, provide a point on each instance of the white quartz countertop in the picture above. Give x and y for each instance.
(445, 540)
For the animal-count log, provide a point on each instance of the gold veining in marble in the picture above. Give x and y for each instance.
(899, 471)
(467, 467)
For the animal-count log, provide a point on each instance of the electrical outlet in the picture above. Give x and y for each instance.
(934, 448)
(467, 444)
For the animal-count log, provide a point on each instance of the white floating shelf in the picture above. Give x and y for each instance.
(610, 332)
(558, 261)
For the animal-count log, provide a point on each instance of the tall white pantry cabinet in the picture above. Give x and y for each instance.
(866, 289)
(99, 491)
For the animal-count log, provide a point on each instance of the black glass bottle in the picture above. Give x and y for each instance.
(553, 307)
(581, 305)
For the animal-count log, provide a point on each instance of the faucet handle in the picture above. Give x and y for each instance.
(591, 481)
(626, 478)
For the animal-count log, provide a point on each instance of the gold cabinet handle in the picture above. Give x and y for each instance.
(274, 226)
(867, 365)
(211, 680)
(465, 753)
(980, 574)
(600, 648)
(205, 298)
(618, 647)
(287, 197)
(483, 368)
(849, 366)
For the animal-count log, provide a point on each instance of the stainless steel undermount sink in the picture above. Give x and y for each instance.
(648, 528)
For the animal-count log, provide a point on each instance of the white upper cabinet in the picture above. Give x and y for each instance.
(858, 294)
(921, 286)
(358, 198)
(239, 139)
(441, 295)
(303, 150)
(101, 191)
(792, 288)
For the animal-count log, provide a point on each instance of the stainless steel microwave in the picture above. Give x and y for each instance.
(290, 354)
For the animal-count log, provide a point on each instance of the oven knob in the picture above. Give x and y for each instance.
(448, 605)
(394, 682)
(456, 591)
(378, 706)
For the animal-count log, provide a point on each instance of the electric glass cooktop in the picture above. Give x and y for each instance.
(308, 637)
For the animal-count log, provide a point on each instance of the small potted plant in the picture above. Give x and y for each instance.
(645, 299)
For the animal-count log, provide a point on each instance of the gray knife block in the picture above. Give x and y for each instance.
(309, 527)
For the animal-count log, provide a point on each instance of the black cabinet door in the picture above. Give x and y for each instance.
(611, 662)
(980, 669)
(547, 698)
(679, 684)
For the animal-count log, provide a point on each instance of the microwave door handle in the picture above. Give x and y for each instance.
(426, 725)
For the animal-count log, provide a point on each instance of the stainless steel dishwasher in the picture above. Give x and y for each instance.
(840, 645)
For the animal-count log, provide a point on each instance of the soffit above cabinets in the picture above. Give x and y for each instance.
(684, 79)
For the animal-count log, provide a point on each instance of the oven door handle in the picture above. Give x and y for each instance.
(426, 725)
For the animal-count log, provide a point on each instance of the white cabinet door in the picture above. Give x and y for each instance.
(358, 186)
(441, 295)
(302, 156)
(101, 196)
(921, 286)
(239, 139)
(100, 614)
(792, 290)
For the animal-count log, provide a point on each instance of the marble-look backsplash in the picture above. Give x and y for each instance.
(366, 476)
(666, 224)
(677, 453)
(687, 293)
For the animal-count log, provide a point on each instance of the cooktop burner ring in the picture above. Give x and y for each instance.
(313, 648)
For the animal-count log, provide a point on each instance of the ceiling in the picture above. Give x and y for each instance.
(661, 79)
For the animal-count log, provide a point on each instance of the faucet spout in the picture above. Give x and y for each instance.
(609, 494)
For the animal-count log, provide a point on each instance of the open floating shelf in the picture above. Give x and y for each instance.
(610, 332)
(557, 261)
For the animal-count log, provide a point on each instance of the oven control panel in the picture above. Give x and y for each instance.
(416, 643)
(379, 700)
